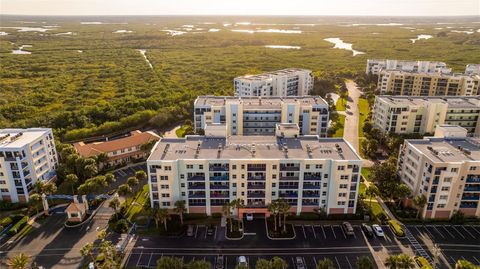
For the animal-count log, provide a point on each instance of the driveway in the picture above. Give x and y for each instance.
(350, 132)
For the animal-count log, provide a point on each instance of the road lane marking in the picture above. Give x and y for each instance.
(458, 231)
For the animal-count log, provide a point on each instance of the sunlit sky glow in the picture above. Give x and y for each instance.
(242, 7)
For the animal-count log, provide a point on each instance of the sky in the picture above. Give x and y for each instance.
(243, 7)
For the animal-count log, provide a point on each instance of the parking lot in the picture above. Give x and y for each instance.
(455, 241)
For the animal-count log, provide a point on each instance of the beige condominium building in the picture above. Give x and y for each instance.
(26, 156)
(420, 115)
(259, 115)
(446, 170)
(374, 66)
(309, 172)
(286, 82)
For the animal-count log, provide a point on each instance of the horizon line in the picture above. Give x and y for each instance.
(242, 15)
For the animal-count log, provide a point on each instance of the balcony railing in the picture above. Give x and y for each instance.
(311, 177)
(477, 188)
(219, 178)
(289, 178)
(256, 186)
(468, 205)
(288, 194)
(219, 168)
(307, 186)
(196, 178)
(473, 179)
(471, 198)
(214, 195)
(254, 168)
(196, 195)
(289, 168)
(196, 186)
(311, 194)
(256, 178)
(256, 194)
(286, 187)
(309, 203)
(219, 187)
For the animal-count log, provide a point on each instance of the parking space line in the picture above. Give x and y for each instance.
(315, 261)
(416, 228)
(429, 233)
(304, 234)
(334, 235)
(475, 229)
(348, 262)
(215, 234)
(448, 231)
(323, 231)
(313, 230)
(435, 228)
(337, 262)
(458, 231)
(140, 256)
(453, 260)
(303, 259)
(468, 232)
(150, 259)
(196, 230)
(343, 232)
(475, 258)
(206, 228)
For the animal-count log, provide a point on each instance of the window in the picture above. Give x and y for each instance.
(473, 168)
(234, 167)
(182, 176)
(342, 194)
(324, 185)
(341, 203)
(165, 195)
(443, 197)
(447, 180)
(274, 193)
(341, 167)
(3, 182)
(165, 203)
(454, 170)
(307, 166)
(324, 193)
(234, 176)
(182, 185)
(441, 206)
(274, 185)
(183, 193)
(189, 166)
(445, 188)
(200, 166)
(318, 166)
(325, 175)
(243, 166)
(274, 167)
(274, 176)
(234, 193)
(163, 177)
(344, 177)
(343, 186)
(165, 187)
(168, 168)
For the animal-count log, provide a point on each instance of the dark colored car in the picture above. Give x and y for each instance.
(367, 230)
(210, 229)
(219, 263)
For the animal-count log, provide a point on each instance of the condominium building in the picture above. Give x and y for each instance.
(472, 69)
(26, 156)
(286, 82)
(374, 66)
(409, 114)
(427, 84)
(259, 115)
(309, 172)
(446, 170)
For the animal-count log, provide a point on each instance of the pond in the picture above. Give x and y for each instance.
(21, 51)
(420, 37)
(339, 44)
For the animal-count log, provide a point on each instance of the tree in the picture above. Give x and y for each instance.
(392, 262)
(419, 202)
(227, 213)
(402, 192)
(364, 262)
(114, 203)
(110, 178)
(161, 215)
(170, 263)
(274, 263)
(458, 217)
(237, 204)
(102, 159)
(34, 200)
(124, 190)
(140, 175)
(326, 263)
(45, 187)
(19, 262)
(284, 210)
(180, 209)
(405, 261)
(199, 264)
(241, 266)
(385, 176)
(273, 208)
(72, 180)
(464, 264)
(87, 251)
(132, 181)
(371, 192)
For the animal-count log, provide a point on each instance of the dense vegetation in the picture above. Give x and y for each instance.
(109, 87)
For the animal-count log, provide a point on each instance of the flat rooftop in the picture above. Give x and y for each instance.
(259, 101)
(17, 138)
(253, 147)
(267, 75)
(452, 101)
(448, 149)
(432, 74)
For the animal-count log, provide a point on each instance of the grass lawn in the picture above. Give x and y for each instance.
(136, 206)
(362, 188)
(341, 104)
(340, 126)
(376, 208)
(180, 132)
(366, 172)
(363, 110)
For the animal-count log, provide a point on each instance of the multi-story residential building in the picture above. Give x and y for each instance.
(208, 171)
(408, 114)
(427, 84)
(259, 115)
(26, 156)
(121, 150)
(375, 66)
(286, 82)
(446, 170)
(472, 69)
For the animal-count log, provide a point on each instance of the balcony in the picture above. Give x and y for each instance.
(196, 178)
(288, 187)
(219, 186)
(196, 203)
(308, 186)
(471, 197)
(256, 194)
(288, 194)
(312, 194)
(219, 178)
(256, 168)
(312, 177)
(256, 178)
(218, 168)
(219, 201)
(255, 186)
(218, 194)
(473, 179)
(468, 205)
(294, 178)
(309, 202)
(472, 188)
(199, 194)
(197, 186)
(289, 168)
(255, 204)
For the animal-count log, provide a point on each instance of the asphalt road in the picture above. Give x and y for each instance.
(350, 132)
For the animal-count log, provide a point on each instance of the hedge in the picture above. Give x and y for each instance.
(19, 225)
(6, 221)
(423, 263)
(396, 228)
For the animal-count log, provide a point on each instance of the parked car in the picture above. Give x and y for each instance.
(347, 227)
(299, 263)
(249, 216)
(242, 261)
(210, 229)
(219, 264)
(422, 263)
(378, 230)
(190, 230)
(367, 230)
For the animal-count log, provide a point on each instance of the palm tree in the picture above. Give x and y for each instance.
(284, 209)
(132, 181)
(180, 209)
(420, 201)
(199, 264)
(45, 187)
(364, 262)
(110, 178)
(34, 200)
(141, 175)
(161, 214)
(227, 212)
(170, 263)
(273, 208)
(114, 203)
(72, 179)
(392, 262)
(371, 192)
(405, 262)
(19, 262)
(124, 190)
(102, 158)
(262, 264)
(278, 263)
(402, 192)
(325, 264)
(87, 251)
(464, 264)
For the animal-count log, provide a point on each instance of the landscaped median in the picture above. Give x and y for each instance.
(234, 229)
(282, 231)
(396, 228)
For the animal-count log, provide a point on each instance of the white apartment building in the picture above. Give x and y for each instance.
(259, 115)
(26, 156)
(410, 114)
(286, 82)
(472, 69)
(446, 170)
(427, 84)
(208, 171)
(374, 66)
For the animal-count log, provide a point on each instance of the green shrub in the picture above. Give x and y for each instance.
(216, 215)
(6, 221)
(121, 226)
(18, 226)
(194, 216)
(396, 228)
(423, 263)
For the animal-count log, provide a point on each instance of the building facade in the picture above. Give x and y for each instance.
(286, 82)
(307, 171)
(121, 150)
(420, 115)
(26, 156)
(374, 66)
(259, 115)
(446, 171)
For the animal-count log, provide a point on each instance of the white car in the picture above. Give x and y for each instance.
(249, 216)
(242, 261)
(378, 230)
